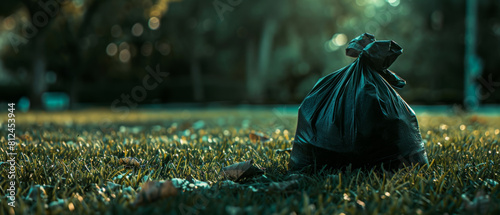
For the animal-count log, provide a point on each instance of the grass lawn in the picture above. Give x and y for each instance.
(71, 163)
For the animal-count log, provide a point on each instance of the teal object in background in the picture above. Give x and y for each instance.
(23, 104)
(55, 101)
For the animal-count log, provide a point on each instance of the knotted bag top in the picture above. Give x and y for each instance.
(378, 54)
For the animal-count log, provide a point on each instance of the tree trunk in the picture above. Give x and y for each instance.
(197, 80)
(260, 82)
(80, 63)
(73, 93)
(473, 64)
(39, 86)
(252, 78)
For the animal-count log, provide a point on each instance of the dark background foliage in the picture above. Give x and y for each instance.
(235, 51)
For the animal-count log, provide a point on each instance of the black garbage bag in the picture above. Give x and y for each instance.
(355, 117)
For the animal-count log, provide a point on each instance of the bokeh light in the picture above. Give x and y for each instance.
(124, 55)
(170, 31)
(154, 23)
(137, 29)
(378, 3)
(360, 2)
(393, 3)
(163, 48)
(9, 23)
(339, 39)
(159, 8)
(111, 49)
(370, 11)
(124, 45)
(330, 46)
(24, 104)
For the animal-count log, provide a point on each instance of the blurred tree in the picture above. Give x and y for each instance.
(261, 51)
(188, 30)
(68, 37)
(40, 16)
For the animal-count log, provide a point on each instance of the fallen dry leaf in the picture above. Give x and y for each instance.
(241, 170)
(155, 190)
(258, 137)
(129, 161)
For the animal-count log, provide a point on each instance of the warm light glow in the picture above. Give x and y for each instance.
(124, 55)
(154, 23)
(393, 3)
(330, 46)
(360, 2)
(137, 29)
(9, 23)
(111, 49)
(124, 45)
(339, 39)
(159, 8)
(164, 48)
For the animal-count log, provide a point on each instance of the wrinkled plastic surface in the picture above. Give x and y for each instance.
(354, 115)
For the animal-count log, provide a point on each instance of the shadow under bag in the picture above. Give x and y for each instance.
(354, 115)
